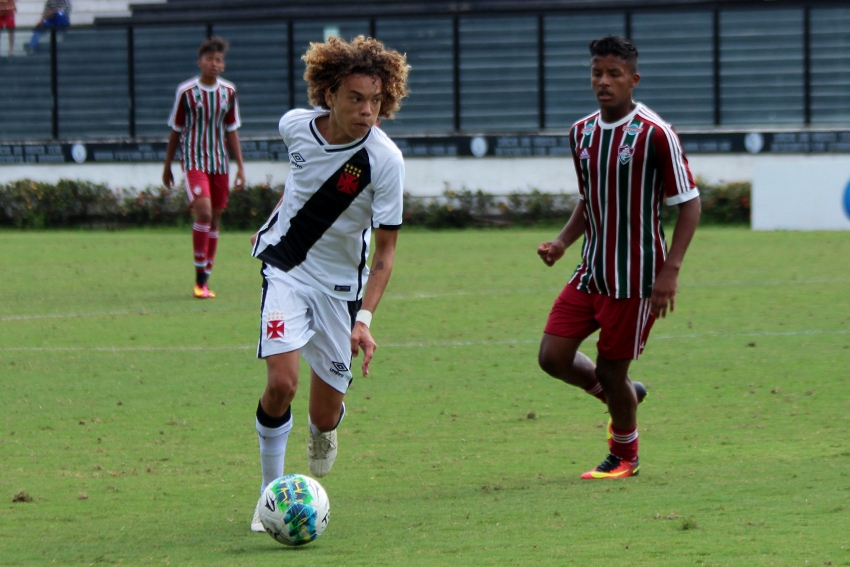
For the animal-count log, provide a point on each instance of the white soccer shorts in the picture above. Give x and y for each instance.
(296, 316)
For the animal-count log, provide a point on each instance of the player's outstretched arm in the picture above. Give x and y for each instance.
(236, 150)
(667, 282)
(379, 277)
(552, 251)
(170, 150)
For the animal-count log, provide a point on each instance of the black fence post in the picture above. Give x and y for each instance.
(456, 70)
(54, 82)
(716, 62)
(807, 66)
(290, 46)
(131, 80)
(541, 72)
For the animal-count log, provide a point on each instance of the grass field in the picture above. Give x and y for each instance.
(128, 410)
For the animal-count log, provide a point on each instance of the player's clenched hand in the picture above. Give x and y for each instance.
(361, 337)
(168, 177)
(551, 252)
(239, 182)
(664, 292)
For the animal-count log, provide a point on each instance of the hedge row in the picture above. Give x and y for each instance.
(31, 204)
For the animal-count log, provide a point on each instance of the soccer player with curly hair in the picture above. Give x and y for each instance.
(346, 182)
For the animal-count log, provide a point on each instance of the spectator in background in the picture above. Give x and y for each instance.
(7, 20)
(56, 14)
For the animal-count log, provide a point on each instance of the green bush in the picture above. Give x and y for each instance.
(31, 204)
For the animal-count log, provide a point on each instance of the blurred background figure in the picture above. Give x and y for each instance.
(56, 14)
(7, 20)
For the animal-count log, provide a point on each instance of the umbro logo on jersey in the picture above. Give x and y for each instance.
(296, 159)
(349, 179)
(584, 154)
(625, 152)
(632, 129)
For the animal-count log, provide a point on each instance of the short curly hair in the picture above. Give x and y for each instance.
(328, 64)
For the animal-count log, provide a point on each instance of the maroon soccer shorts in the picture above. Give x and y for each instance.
(214, 186)
(624, 323)
(7, 21)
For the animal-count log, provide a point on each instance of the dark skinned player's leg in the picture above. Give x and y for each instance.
(559, 357)
(619, 391)
(622, 402)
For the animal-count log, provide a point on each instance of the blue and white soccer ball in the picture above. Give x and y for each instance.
(295, 509)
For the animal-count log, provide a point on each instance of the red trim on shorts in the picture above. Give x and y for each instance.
(624, 324)
(213, 186)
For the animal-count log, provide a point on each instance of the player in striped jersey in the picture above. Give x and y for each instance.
(203, 123)
(627, 160)
(346, 182)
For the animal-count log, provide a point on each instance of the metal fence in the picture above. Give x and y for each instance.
(701, 69)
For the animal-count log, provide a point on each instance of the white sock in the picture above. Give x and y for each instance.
(315, 432)
(272, 450)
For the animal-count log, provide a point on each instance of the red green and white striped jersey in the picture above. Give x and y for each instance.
(203, 114)
(624, 170)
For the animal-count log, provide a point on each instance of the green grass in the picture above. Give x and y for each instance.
(128, 410)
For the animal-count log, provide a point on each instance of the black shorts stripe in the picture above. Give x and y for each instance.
(262, 308)
(319, 213)
(353, 308)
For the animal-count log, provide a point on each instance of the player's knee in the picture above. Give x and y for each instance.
(326, 419)
(281, 388)
(549, 363)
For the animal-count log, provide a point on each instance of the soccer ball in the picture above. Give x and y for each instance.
(295, 509)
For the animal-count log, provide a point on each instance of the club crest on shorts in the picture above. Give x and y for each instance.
(274, 325)
(625, 152)
(349, 179)
(196, 190)
(274, 329)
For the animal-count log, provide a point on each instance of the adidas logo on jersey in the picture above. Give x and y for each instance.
(584, 154)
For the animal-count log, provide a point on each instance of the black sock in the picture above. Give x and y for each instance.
(201, 278)
(272, 422)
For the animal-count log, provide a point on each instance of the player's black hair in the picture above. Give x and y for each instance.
(213, 45)
(616, 46)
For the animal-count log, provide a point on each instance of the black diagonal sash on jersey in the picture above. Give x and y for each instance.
(320, 212)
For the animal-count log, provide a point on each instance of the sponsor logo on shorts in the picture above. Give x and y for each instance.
(625, 152)
(196, 190)
(338, 368)
(342, 288)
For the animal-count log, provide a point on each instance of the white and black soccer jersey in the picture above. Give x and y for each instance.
(334, 196)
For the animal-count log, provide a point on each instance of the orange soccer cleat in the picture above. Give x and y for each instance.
(203, 292)
(613, 467)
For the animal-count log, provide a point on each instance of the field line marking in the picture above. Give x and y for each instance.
(422, 344)
(391, 297)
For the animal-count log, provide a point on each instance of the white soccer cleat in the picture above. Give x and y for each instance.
(256, 523)
(321, 452)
